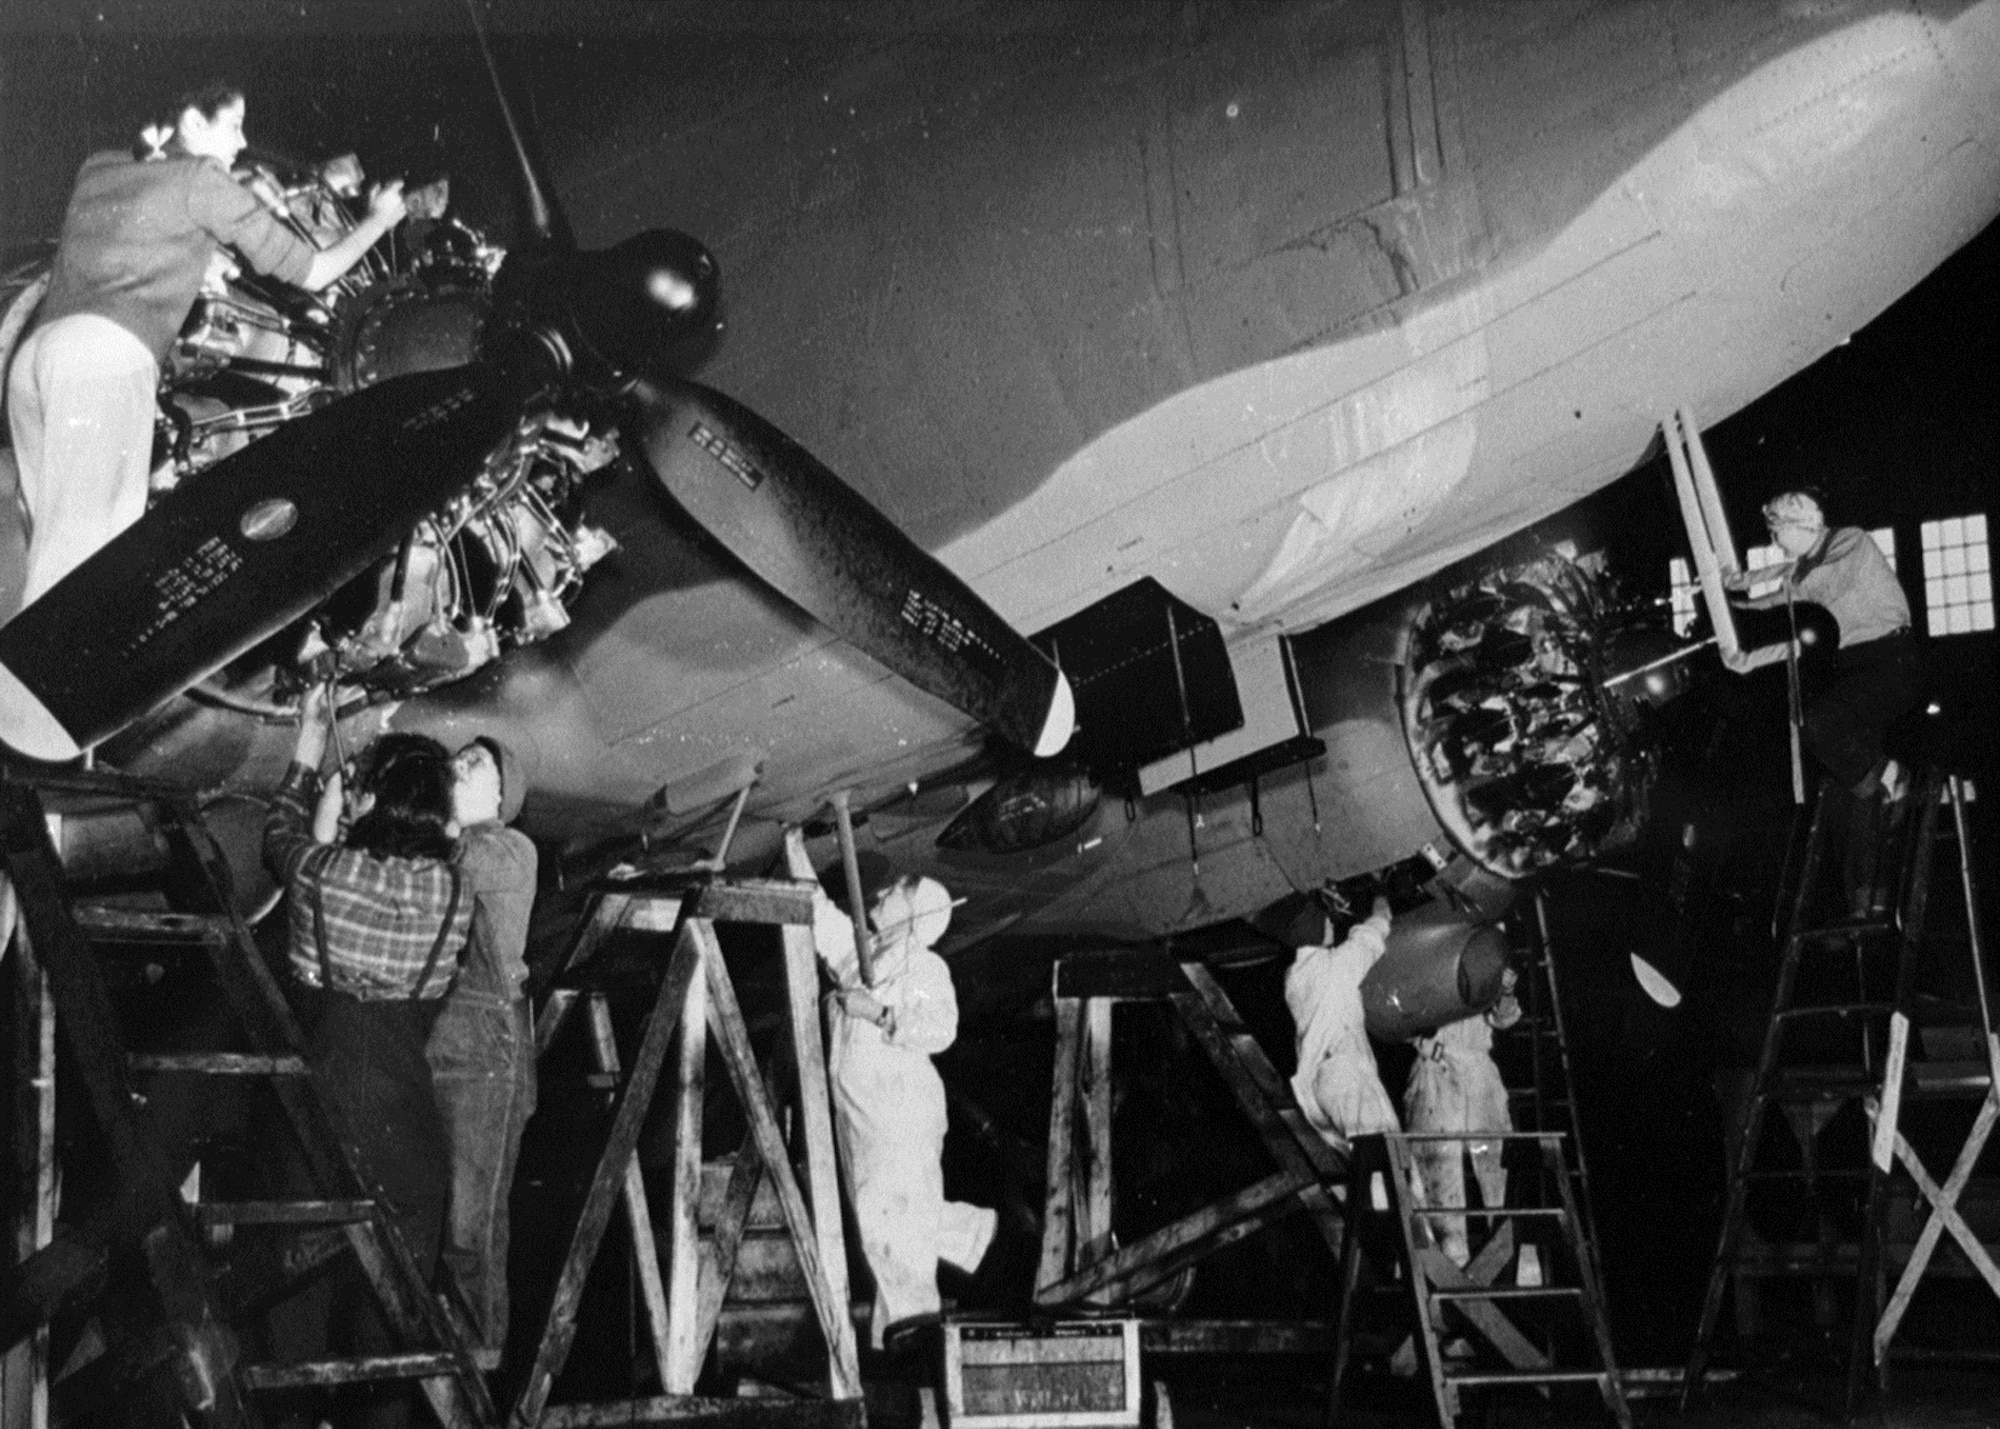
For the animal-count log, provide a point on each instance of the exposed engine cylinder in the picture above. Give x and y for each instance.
(500, 564)
(1525, 758)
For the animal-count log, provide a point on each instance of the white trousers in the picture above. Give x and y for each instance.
(80, 402)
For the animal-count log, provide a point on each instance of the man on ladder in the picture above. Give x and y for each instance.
(1876, 674)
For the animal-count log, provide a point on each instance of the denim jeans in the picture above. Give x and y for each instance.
(368, 1061)
(482, 1056)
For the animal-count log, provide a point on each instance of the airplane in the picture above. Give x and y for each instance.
(1226, 335)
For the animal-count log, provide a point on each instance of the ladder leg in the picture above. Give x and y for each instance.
(1751, 1128)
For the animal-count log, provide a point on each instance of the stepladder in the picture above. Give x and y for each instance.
(159, 1280)
(1878, 1056)
(1523, 1308)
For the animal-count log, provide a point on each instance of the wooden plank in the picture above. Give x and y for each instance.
(559, 1329)
(1093, 1094)
(1290, 1138)
(785, 901)
(1944, 1216)
(1236, 1337)
(218, 1064)
(554, 1017)
(815, 1105)
(283, 1213)
(710, 1414)
(1058, 1207)
(1166, 1251)
(607, 914)
(107, 924)
(638, 1213)
(745, 1173)
(1143, 973)
(1438, 1272)
(308, 1374)
(682, 1364)
(726, 1019)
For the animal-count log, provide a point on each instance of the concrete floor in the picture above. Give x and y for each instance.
(1932, 1398)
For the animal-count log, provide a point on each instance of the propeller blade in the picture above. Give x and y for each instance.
(241, 551)
(545, 218)
(809, 535)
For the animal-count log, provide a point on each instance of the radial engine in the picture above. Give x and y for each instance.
(500, 565)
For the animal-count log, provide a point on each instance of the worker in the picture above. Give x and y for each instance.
(1875, 681)
(888, 1100)
(376, 923)
(1455, 1089)
(482, 1050)
(1876, 668)
(136, 245)
(1337, 1084)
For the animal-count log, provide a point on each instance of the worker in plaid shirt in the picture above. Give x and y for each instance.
(377, 924)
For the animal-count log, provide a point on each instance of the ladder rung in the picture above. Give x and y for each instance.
(130, 925)
(1482, 1136)
(219, 1064)
(1841, 1173)
(426, 1364)
(1926, 1079)
(284, 1213)
(1946, 1079)
(1848, 928)
(1511, 1292)
(1527, 1376)
(1821, 1085)
(1836, 1009)
(1497, 1213)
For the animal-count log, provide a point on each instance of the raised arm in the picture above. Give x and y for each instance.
(385, 211)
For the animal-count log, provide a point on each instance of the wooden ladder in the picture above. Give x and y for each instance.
(201, 1291)
(1830, 984)
(695, 999)
(1491, 1323)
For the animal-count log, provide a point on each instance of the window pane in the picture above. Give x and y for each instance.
(1958, 588)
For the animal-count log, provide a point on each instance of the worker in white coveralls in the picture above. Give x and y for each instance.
(1455, 1088)
(1337, 1085)
(888, 1100)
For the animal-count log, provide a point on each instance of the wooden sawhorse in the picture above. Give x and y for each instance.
(1079, 1264)
(696, 999)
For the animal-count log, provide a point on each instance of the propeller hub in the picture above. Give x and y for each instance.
(642, 307)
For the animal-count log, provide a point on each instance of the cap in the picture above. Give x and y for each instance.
(513, 775)
(877, 873)
(1795, 508)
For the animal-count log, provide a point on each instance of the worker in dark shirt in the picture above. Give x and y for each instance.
(136, 245)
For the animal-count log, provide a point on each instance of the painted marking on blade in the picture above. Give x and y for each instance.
(439, 410)
(269, 519)
(936, 623)
(181, 588)
(724, 451)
